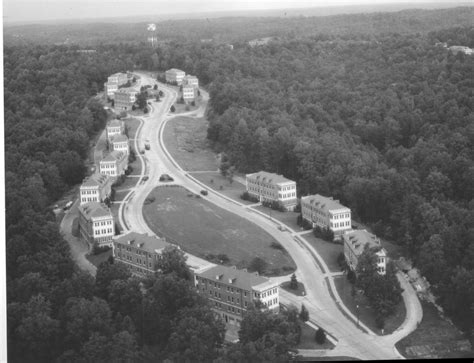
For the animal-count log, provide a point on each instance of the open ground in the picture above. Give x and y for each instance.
(205, 230)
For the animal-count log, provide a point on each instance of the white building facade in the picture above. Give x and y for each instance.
(96, 188)
(174, 75)
(325, 212)
(124, 99)
(269, 187)
(354, 245)
(96, 224)
(114, 164)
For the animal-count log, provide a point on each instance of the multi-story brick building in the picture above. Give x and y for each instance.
(124, 99)
(114, 164)
(114, 127)
(271, 187)
(232, 291)
(189, 80)
(119, 143)
(95, 188)
(326, 212)
(174, 75)
(189, 94)
(96, 223)
(354, 244)
(138, 251)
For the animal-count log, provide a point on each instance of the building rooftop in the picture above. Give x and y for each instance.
(231, 276)
(174, 70)
(119, 138)
(358, 238)
(114, 156)
(95, 180)
(94, 210)
(325, 203)
(270, 177)
(145, 242)
(126, 90)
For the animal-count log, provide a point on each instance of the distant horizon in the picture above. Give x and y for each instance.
(28, 12)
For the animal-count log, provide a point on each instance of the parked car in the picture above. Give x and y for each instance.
(145, 178)
(204, 192)
(165, 177)
(68, 205)
(147, 146)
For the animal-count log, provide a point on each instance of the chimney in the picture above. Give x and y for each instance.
(232, 280)
(218, 277)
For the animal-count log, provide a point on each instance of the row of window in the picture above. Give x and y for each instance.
(218, 286)
(271, 302)
(340, 224)
(138, 260)
(89, 191)
(102, 231)
(103, 223)
(90, 199)
(287, 195)
(341, 216)
(229, 308)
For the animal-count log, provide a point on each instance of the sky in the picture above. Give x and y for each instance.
(40, 10)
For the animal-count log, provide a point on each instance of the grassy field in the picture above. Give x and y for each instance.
(201, 228)
(327, 250)
(307, 340)
(289, 218)
(182, 108)
(435, 337)
(185, 138)
(365, 312)
(222, 185)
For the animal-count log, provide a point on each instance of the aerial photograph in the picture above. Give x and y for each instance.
(237, 181)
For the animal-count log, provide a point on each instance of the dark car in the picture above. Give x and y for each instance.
(204, 192)
(165, 177)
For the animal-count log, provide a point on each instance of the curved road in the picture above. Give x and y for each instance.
(323, 309)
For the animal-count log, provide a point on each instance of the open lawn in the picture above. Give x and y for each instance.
(365, 312)
(186, 140)
(289, 218)
(182, 108)
(307, 340)
(221, 184)
(324, 359)
(202, 229)
(328, 251)
(435, 337)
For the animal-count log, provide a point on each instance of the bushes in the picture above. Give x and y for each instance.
(275, 205)
(320, 336)
(96, 249)
(324, 233)
(277, 246)
(248, 197)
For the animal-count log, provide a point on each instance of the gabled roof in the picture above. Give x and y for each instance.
(94, 210)
(114, 156)
(325, 203)
(175, 70)
(271, 178)
(119, 138)
(358, 238)
(231, 276)
(95, 180)
(145, 242)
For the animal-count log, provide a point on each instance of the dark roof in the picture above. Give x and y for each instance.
(270, 177)
(143, 241)
(231, 276)
(324, 203)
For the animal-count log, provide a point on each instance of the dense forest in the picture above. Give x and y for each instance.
(382, 120)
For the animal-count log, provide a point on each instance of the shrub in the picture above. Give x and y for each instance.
(320, 336)
(297, 208)
(223, 258)
(172, 109)
(351, 276)
(276, 246)
(258, 264)
(99, 249)
(293, 282)
(324, 233)
(304, 314)
(149, 200)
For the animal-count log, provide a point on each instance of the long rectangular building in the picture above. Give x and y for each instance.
(325, 212)
(232, 291)
(272, 187)
(175, 76)
(96, 223)
(138, 251)
(354, 244)
(95, 188)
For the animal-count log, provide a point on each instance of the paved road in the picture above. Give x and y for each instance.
(323, 309)
(79, 247)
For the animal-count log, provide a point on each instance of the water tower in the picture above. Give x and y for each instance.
(152, 38)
